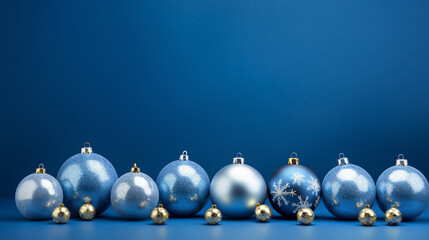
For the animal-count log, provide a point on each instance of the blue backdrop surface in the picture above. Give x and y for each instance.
(144, 80)
(110, 226)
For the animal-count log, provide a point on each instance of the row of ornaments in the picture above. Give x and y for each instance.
(213, 216)
(183, 187)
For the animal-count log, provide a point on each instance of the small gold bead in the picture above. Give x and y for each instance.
(367, 216)
(305, 216)
(213, 215)
(263, 213)
(61, 214)
(159, 215)
(87, 211)
(393, 216)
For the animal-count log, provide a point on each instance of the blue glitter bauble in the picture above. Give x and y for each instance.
(134, 195)
(183, 187)
(293, 187)
(347, 189)
(404, 187)
(87, 176)
(37, 195)
(237, 188)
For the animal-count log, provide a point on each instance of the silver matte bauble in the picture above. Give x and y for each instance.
(237, 188)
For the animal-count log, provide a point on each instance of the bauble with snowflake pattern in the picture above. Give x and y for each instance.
(293, 187)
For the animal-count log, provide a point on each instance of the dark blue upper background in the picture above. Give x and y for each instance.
(143, 80)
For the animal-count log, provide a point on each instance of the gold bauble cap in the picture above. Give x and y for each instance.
(401, 161)
(293, 160)
(87, 199)
(86, 148)
(135, 169)
(41, 169)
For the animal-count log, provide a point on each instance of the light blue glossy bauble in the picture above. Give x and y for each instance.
(347, 189)
(404, 187)
(183, 187)
(237, 188)
(134, 195)
(37, 195)
(87, 175)
(293, 187)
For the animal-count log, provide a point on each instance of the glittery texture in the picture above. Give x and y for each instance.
(87, 175)
(404, 187)
(183, 188)
(293, 187)
(346, 190)
(37, 195)
(236, 189)
(134, 196)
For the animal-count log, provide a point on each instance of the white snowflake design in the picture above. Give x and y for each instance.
(314, 186)
(298, 178)
(280, 193)
(301, 204)
(316, 203)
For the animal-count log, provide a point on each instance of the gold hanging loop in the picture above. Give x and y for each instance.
(293, 160)
(41, 168)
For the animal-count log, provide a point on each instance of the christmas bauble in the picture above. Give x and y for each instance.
(87, 211)
(183, 187)
(347, 189)
(305, 216)
(367, 216)
(61, 214)
(38, 194)
(263, 213)
(213, 216)
(293, 187)
(236, 189)
(159, 215)
(404, 187)
(393, 216)
(134, 195)
(87, 175)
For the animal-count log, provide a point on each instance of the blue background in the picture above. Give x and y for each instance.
(144, 80)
